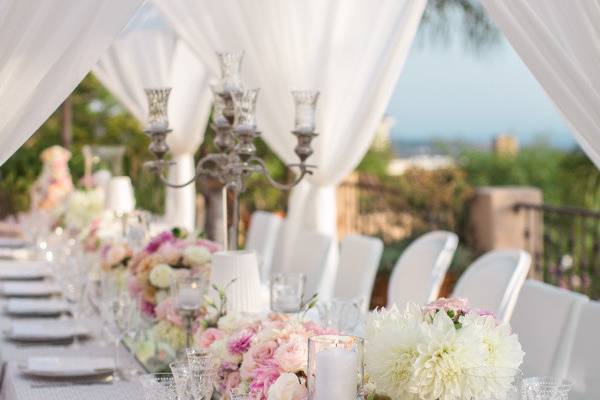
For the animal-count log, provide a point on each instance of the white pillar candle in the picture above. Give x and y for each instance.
(336, 374)
(189, 298)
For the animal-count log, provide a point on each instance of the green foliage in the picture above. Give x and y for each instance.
(376, 161)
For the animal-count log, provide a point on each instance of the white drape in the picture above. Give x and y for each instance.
(149, 54)
(350, 50)
(46, 49)
(559, 41)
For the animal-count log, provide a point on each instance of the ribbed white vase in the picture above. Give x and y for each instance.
(244, 295)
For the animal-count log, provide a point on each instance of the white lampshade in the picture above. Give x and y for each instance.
(119, 195)
(243, 295)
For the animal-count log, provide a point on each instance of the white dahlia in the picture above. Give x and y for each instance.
(445, 354)
(392, 340)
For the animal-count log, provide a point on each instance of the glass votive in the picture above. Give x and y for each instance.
(230, 63)
(343, 315)
(494, 383)
(287, 292)
(160, 386)
(158, 99)
(335, 367)
(182, 376)
(546, 388)
(189, 292)
(244, 104)
(306, 106)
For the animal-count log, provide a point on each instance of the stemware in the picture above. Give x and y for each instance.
(195, 380)
(75, 281)
(287, 292)
(159, 386)
(343, 315)
(546, 388)
(183, 382)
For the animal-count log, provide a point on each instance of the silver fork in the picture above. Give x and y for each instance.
(107, 380)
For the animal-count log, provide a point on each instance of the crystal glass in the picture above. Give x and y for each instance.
(306, 105)
(343, 315)
(203, 378)
(335, 367)
(546, 388)
(159, 386)
(231, 63)
(239, 394)
(287, 292)
(494, 383)
(244, 103)
(200, 357)
(74, 284)
(158, 99)
(218, 105)
(183, 383)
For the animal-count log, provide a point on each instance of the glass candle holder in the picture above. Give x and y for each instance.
(343, 315)
(546, 388)
(158, 99)
(244, 104)
(287, 292)
(218, 116)
(335, 367)
(158, 386)
(231, 63)
(189, 292)
(306, 106)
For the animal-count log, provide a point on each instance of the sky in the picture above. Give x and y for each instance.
(448, 91)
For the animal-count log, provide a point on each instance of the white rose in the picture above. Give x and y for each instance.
(287, 387)
(196, 255)
(161, 276)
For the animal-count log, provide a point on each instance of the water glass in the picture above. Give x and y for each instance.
(546, 388)
(343, 315)
(200, 357)
(159, 386)
(203, 378)
(287, 292)
(183, 383)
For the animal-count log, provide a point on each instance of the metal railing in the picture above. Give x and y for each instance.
(565, 245)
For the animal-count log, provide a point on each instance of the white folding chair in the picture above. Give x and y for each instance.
(543, 318)
(419, 272)
(359, 260)
(262, 237)
(308, 255)
(494, 280)
(582, 367)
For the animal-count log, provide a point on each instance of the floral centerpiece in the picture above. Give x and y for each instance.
(427, 352)
(82, 207)
(154, 268)
(53, 185)
(264, 356)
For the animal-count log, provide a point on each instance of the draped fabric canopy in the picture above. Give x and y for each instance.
(149, 54)
(352, 51)
(559, 41)
(45, 51)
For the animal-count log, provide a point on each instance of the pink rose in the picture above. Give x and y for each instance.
(291, 356)
(264, 376)
(210, 246)
(208, 337)
(240, 343)
(258, 354)
(232, 381)
(169, 253)
(166, 310)
(456, 304)
(116, 254)
(134, 286)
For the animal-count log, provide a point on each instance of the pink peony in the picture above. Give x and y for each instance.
(164, 237)
(206, 338)
(291, 356)
(232, 381)
(147, 309)
(257, 355)
(169, 253)
(240, 343)
(166, 310)
(264, 376)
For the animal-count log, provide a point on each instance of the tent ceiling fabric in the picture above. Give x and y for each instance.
(149, 54)
(45, 51)
(352, 51)
(559, 41)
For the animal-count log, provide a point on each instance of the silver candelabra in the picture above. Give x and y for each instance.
(234, 123)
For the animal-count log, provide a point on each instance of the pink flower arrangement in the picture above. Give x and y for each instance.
(169, 254)
(267, 356)
(115, 255)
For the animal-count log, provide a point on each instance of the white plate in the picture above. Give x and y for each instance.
(22, 307)
(63, 367)
(29, 289)
(45, 330)
(12, 243)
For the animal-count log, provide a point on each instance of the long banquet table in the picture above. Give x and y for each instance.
(16, 386)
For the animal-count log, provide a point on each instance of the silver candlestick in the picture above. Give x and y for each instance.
(234, 123)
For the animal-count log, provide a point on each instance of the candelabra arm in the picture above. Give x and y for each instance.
(258, 165)
(202, 168)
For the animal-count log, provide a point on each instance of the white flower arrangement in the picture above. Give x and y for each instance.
(429, 353)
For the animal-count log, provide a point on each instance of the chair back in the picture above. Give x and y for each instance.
(543, 318)
(494, 280)
(419, 272)
(262, 238)
(359, 260)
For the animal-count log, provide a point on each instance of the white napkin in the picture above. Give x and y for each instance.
(69, 366)
(24, 270)
(45, 330)
(36, 306)
(29, 289)
(12, 243)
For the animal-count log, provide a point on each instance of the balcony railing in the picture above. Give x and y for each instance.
(565, 245)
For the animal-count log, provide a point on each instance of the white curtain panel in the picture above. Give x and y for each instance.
(351, 50)
(46, 49)
(559, 41)
(149, 54)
